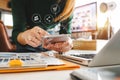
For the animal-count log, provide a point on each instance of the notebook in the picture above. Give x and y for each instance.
(108, 55)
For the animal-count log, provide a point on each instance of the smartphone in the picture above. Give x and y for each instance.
(52, 39)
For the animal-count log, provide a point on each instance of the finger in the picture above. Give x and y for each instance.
(36, 41)
(68, 44)
(48, 47)
(56, 47)
(38, 29)
(31, 43)
(37, 36)
(37, 32)
(65, 49)
(65, 46)
(41, 31)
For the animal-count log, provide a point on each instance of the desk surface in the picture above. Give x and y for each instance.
(41, 75)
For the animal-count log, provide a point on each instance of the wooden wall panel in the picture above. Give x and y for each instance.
(3, 5)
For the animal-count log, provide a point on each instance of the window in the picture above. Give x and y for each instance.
(6, 17)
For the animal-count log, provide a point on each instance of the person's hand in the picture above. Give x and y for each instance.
(32, 37)
(118, 78)
(60, 46)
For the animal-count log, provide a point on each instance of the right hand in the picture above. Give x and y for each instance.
(32, 37)
(62, 43)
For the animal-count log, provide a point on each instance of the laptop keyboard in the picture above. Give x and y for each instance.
(88, 56)
(81, 54)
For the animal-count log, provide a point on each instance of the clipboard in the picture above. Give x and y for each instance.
(66, 66)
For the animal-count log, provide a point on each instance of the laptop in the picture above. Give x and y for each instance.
(97, 73)
(108, 55)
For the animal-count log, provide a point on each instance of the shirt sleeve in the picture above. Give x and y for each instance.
(65, 26)
(19, 19)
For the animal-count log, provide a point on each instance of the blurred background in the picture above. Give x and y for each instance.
(96, 19)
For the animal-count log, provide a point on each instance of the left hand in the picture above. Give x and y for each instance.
(61, 46)
(32, 37)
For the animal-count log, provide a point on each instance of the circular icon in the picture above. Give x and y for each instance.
(48, 19)
(55, 8)
(36, 18)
